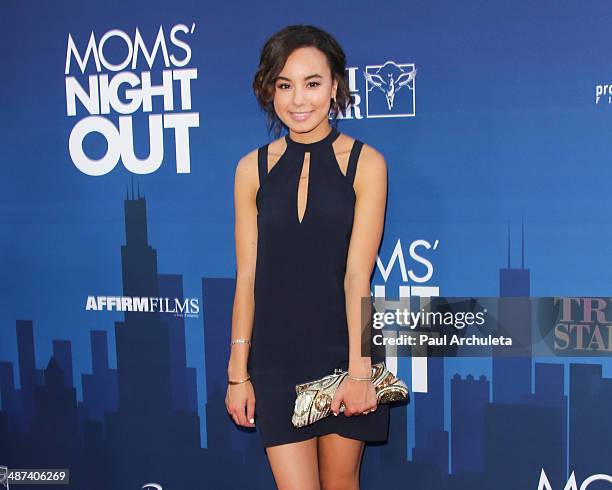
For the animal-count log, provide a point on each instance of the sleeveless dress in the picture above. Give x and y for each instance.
(300, 330)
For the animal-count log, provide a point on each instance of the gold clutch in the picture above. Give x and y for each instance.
(313, 401)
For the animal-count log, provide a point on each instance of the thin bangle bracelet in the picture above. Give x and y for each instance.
(357, 378)
(238, 382)
(240, 341)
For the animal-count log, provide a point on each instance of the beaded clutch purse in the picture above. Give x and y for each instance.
(313, 401)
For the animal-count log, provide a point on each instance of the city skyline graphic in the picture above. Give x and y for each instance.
(145, 420)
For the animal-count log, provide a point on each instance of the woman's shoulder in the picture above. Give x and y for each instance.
(272, 146)
(371, 171)
(248, 164)
(369, 156)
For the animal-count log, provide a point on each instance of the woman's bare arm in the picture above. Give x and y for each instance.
(371, 191)
(245, 189)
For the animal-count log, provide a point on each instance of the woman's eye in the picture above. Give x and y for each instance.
(286, 85)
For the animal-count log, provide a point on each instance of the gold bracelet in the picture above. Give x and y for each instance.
(357, 378)
(238, 382)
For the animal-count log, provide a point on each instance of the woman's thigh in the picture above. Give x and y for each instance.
(339, 462)
(295, 465)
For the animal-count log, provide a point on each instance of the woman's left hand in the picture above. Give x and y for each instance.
(359, 397)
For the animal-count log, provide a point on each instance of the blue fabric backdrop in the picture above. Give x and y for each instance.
(498, 155)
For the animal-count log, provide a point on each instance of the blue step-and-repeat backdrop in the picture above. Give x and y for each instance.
(122, 125)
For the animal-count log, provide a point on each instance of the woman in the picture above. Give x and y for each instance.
(309, 218)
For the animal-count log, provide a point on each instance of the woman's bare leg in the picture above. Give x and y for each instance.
(339, 462)
(295, 465)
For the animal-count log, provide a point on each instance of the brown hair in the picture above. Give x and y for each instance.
(273, 56)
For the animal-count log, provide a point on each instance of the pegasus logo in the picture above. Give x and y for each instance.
(390, 78)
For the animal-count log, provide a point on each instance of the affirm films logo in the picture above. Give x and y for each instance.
(388, 90)
(106, 88)
(185, 308)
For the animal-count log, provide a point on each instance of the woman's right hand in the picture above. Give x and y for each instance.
(240, 403)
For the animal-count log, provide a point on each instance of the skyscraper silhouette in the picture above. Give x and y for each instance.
(512, 364)
(469, 399)
(590, 440)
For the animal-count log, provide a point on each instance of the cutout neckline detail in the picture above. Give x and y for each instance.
(315, 149)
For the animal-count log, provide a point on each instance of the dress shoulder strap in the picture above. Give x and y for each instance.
(262, 162)
(353, 158)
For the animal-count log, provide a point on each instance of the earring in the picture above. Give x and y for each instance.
(332, 107)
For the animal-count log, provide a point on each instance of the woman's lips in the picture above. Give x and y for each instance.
(300, 116)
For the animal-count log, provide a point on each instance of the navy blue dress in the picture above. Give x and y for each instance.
(300, 330)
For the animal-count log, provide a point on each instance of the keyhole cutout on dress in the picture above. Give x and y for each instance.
(302, 190)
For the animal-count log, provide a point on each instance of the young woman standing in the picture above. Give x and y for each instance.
(310, 209)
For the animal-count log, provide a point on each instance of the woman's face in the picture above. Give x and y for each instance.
(303, 90)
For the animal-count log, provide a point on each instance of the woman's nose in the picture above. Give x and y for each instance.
(298, 96)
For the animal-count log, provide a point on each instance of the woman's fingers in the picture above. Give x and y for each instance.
(251, 412)
(241, 410)
(365, 412)
(336, 403)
